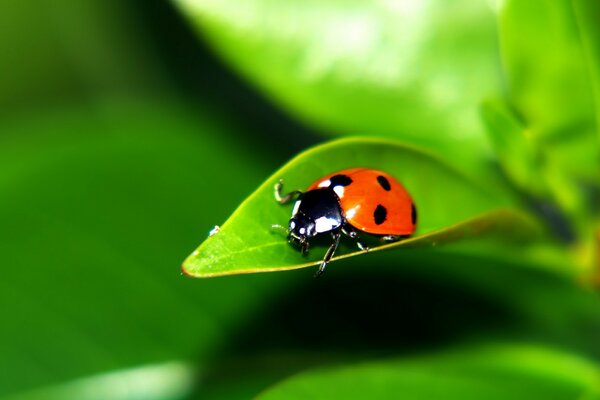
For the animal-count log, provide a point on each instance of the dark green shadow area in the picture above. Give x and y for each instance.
(372, 307)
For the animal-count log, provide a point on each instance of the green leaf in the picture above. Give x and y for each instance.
(528, 163)
(449, 205)
(442, 299)
(513, 145)
(587, 14)
(410, 70)
(524, 160)
(168, 381)
(550, 55)
(87, 47)
(98, 205)
(552, 62)
(492, 372)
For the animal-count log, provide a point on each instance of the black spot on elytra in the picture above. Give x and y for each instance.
(413, 214)
(385, 184)
(340, 180)
(380, 214)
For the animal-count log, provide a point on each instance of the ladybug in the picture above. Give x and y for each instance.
(348, 202)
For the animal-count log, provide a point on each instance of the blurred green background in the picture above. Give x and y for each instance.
(125, 137)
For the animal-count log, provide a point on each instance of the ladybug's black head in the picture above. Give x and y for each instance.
(316, 211)
(301, 228)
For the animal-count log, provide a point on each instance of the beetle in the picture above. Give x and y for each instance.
(349, 202)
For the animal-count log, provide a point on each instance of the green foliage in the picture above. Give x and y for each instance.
(368, 68)
(166, 381)
(514, 147)
(123, 142)
(550, 56)
(92, 228)
(454, 208)
(545, 46)
(493, 372)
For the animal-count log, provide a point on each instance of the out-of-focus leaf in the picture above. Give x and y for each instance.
(525, 159)
(443, 298)
(411, 70)
(522, 158)
(587, 14)
(97, 207)
(493, 372)
(169, 381)
(87, 47)
(513, 146)
(449, 206)
(550, 51)
(552, 68)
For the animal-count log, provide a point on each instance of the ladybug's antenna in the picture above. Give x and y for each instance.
(284, 198)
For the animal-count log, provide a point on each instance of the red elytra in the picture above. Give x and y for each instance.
(371, 194)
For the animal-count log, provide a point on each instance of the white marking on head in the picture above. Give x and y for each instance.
(339, 190)
(296, 207)
(302, 231)
(325, 224)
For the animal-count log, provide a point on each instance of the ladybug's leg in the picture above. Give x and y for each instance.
(390, 238)
(352, 234)
(286, 198)
(336, 240)
(304, 248)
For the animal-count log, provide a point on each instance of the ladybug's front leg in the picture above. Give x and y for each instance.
(304, 248)
(330, 252)
(352, 234)
(286, 198)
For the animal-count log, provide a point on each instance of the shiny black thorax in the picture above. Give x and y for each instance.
(316, 211)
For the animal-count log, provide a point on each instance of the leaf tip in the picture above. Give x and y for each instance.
(186, 266)
(185, 272)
